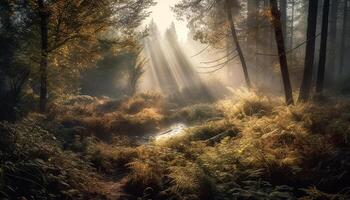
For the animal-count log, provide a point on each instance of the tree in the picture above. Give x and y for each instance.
(136, 71)
(276, 22)
(44, 31)
(310, 52)
(332, 39)
(236, 42)
(283, 8)
(343, 37)
(13, 72)
(71, 31)
(211, 26)
(323, 49)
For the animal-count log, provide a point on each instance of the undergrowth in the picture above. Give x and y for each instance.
(274, 152)
(33, 166)
(247, 147)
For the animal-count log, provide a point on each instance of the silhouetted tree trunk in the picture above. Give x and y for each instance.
(283, 6)
(332, 40)
(323, 49)
(343, 37)
(276, 22)
(236, 42)
(44, 20)
(292, 25)
(310, 51)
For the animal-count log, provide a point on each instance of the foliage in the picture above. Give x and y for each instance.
(79, 34)
(105, 118)
(258, 149)
(273, 156)
(196, 113)
(14, 68)
(33, 166)
(206, 20)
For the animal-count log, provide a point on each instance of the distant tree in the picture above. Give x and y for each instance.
(323, 49)
(291, 38)
(135, 71)
(13, 72)
(332, 41)
(305, 88)
(344, 35)
(276, 22)
(292, 24)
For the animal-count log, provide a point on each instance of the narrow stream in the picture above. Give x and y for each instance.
(173, 131)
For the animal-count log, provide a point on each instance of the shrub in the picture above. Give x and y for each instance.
(246, 104)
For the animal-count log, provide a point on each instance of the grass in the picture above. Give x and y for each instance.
(247, 147)
(33, 165)
(277, 151)
(105, 118)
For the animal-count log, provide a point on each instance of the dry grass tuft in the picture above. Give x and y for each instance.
(258, 148)
(105, 118)
(274, 150)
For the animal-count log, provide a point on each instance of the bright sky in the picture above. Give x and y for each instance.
(163, 17)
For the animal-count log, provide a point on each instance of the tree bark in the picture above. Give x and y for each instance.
(344, 33)
(310, 52)
(283, 5)
(276, 22)
(236, 42)
(323, 49)
(44, 20)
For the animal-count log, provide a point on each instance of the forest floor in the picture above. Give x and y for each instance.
(248, 146)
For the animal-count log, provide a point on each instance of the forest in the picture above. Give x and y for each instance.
(174, 99)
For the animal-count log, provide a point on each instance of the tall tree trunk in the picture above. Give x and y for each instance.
(291, 42)
(323, 49)
(292, 25)
(281, 52)
(236, 42)
(332, 41)
(252, 29)
(283, 6)
(343, 37)
(44, 20)
(310, 51)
